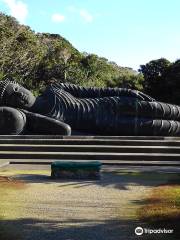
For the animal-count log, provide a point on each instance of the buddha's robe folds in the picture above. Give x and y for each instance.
(110, 111)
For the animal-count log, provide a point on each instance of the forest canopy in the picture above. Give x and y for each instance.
(37, 59)
(34, 59)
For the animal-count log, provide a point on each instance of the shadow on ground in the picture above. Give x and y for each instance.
(29, 229)
(117, 179)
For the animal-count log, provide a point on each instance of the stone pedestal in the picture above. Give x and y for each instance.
(76, 170)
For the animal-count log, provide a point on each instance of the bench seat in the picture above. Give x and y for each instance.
(76, 170)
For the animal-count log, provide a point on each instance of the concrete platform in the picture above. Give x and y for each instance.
(125, 168)
(4, 163)
(114, 150)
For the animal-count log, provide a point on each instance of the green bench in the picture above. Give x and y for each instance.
(76, 170)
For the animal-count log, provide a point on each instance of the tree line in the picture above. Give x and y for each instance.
(37, 59)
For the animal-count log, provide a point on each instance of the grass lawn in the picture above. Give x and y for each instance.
(162, 209)
(8, 190)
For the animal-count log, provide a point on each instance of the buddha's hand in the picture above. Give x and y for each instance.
(40, 124)
(12, 121)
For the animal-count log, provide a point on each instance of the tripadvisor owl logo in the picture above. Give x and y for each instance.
(139, 231)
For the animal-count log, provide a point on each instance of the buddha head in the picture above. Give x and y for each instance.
(14, 95)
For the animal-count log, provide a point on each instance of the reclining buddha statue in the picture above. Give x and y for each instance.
(63, 107)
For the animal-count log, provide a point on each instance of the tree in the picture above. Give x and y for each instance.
(154, 77)
(172, 79)
(20, 51)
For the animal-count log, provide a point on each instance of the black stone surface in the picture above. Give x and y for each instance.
(104, 111)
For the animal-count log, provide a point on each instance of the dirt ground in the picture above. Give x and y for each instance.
(46, 209)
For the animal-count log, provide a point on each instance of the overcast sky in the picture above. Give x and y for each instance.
(129, 32)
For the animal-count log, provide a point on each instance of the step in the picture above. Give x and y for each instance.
(89, 156)
(88, 148)
(112, 162)
(88, 137)
(91, 142)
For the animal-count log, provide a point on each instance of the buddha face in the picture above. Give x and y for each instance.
(18, 96)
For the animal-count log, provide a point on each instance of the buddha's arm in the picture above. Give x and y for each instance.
(12, 121)
(40, 124)
(93, 92)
